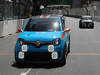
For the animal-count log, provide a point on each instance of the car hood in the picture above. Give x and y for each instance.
(40, 36)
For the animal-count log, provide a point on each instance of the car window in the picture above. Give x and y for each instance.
(43, 25)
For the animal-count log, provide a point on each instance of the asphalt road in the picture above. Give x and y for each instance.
(84, 58)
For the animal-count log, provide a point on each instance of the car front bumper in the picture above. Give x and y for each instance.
(39, 57)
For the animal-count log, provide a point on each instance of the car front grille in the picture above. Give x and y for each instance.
(37, 56)
(38, 44)
(87, 24)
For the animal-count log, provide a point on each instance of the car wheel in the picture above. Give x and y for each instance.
(63, 62)
(68, 47)
(92, 26)
(15, 57)
(84, 25)
(80, 25)
(16, 61)
(89, 25)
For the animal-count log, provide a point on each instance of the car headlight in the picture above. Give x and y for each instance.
(21, 41)
(24, 48)
(56, 41)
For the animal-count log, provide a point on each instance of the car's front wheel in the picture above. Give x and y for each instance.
(80, 25)
(63, 62)
(65, 55)
(92, 25)
(68, 47)
(16, 60)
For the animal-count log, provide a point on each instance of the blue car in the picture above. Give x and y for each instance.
(44, 39)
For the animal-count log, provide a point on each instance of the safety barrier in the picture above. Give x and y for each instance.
(1, 28)
(11, 26)
(8, 27)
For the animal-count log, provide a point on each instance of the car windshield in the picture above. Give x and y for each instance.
(87, 18)
(43, 25)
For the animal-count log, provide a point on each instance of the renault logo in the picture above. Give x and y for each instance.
(37, 43)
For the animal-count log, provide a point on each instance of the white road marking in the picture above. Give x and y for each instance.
(85, 54)
(26, 73)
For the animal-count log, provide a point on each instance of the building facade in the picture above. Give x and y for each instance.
(6, 9)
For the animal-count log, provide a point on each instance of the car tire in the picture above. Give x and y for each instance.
(92, 26)
(80, 25)
(84, 25)
(16, 61)
(15, 56)
(89, 25)
(63, 62)
(68, 47)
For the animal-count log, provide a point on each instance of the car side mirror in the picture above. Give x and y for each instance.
(66, 29)
(20, 30)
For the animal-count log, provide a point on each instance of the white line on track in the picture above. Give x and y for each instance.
(85, 54)
(26, 73)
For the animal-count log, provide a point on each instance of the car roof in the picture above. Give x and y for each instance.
(86, 16)
(47, 16)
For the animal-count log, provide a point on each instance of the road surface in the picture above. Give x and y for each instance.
(84, 58)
